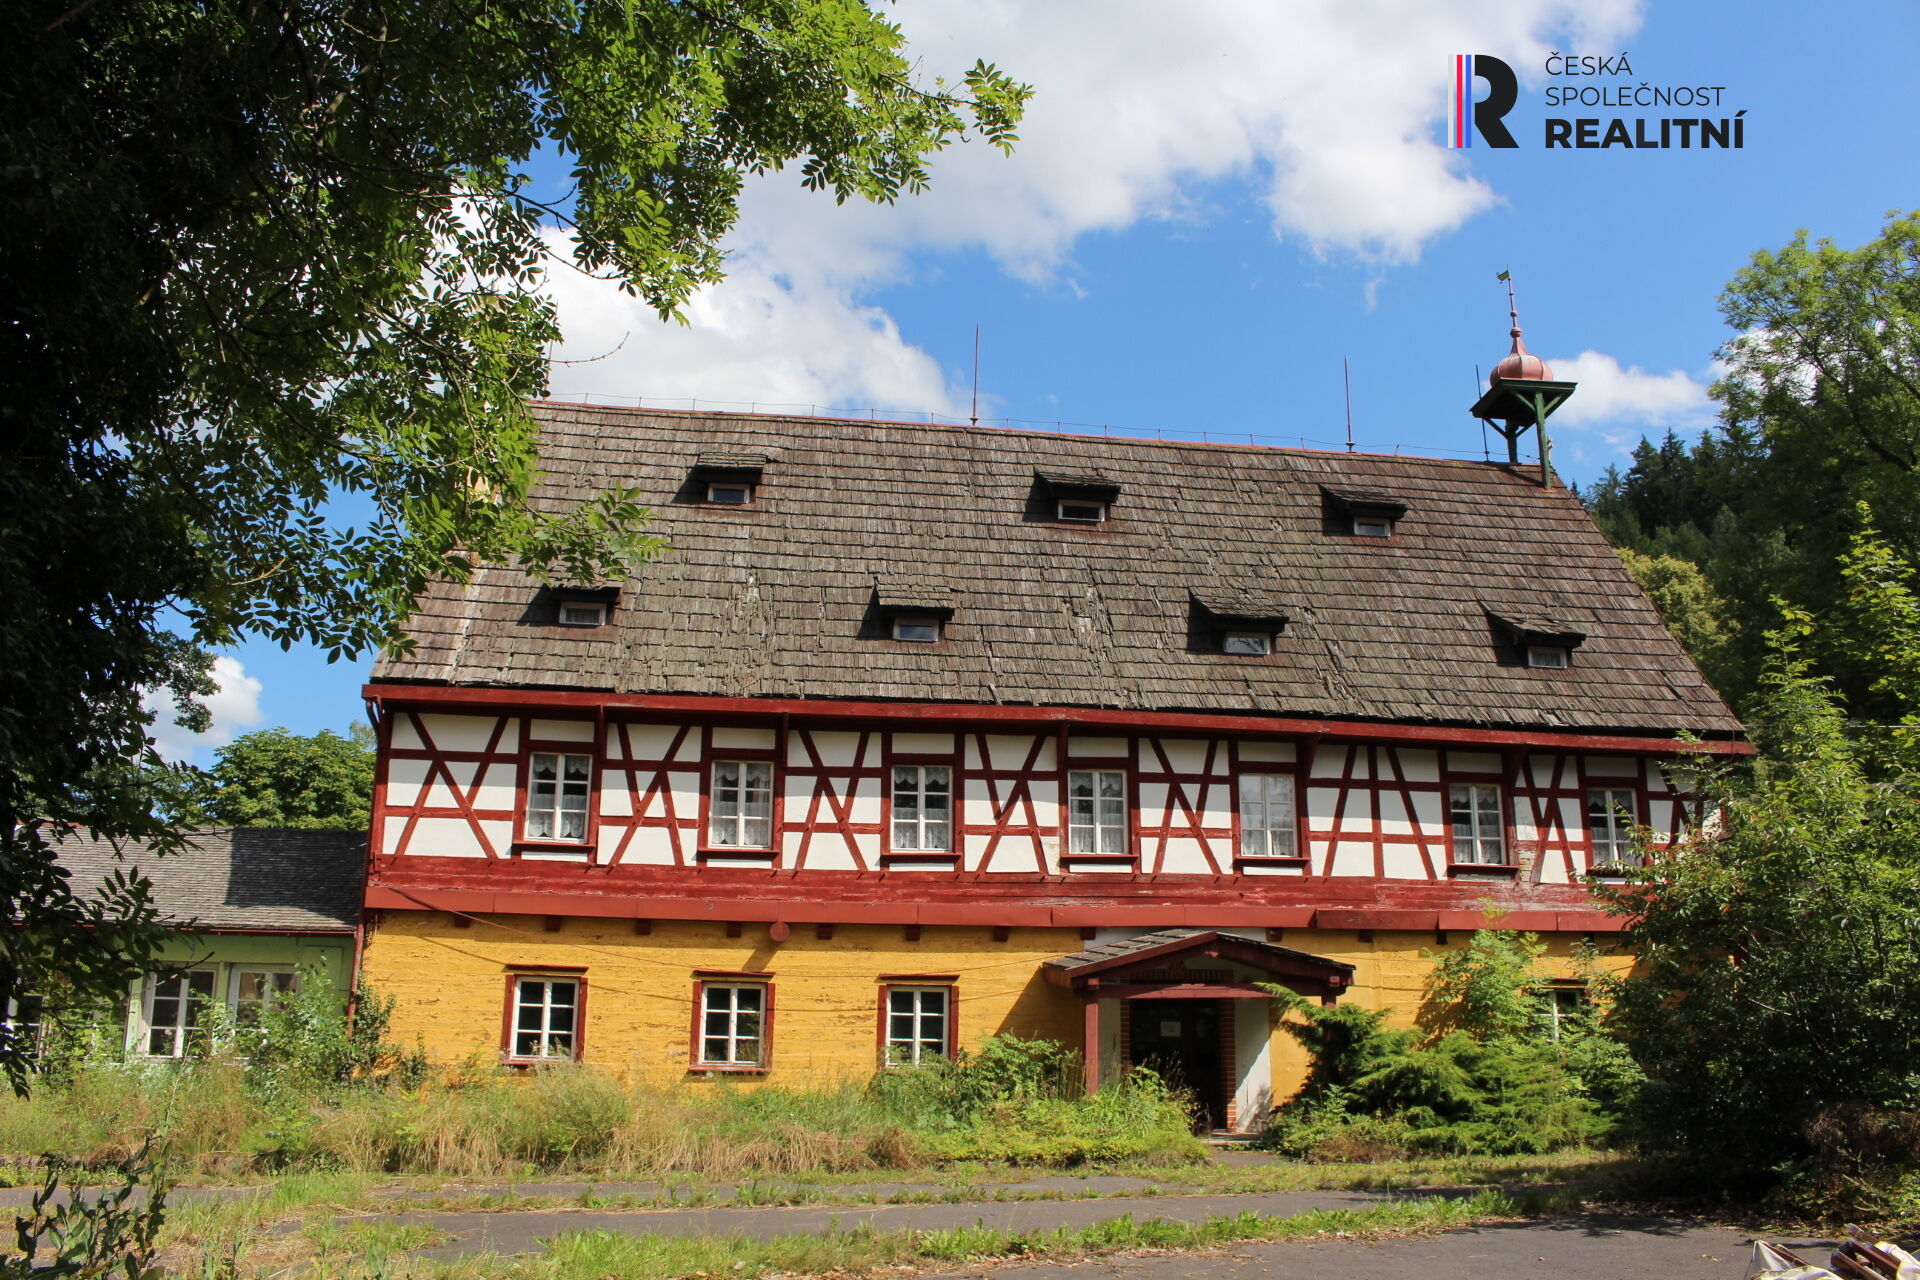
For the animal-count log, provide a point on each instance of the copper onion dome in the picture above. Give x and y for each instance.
(1519, 362)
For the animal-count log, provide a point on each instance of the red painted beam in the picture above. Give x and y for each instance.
(388, 694)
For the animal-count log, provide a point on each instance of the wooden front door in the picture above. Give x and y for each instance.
(1179, 1040)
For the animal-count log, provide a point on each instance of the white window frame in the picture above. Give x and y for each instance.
(1484, 843)
(1104, 835)
(587, 613)
(1558, 1003)
(727, 1015)
(743, 487)
(922, 834)
(1269, 816)
(25, 1020)
(247, 1010)
(552, 1042)
(751, 801)
(1549, 657)
(1612, 814)
(1255, 644)
(917, 1045)
(1372, 527)
(552, 814)
(931, 626)
(187, 1018)
(1094, 505)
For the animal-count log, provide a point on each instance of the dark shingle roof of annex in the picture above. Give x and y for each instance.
(269, 879)
(771, 600)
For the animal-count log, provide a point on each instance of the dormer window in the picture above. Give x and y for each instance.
(1072, 497)
(1239, 622)
(918, 630)
(1362, 515)
(910, 610)
(1532, 640)
(725, 479)
(583, 606)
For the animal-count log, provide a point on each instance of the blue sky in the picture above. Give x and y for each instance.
(1213, 205)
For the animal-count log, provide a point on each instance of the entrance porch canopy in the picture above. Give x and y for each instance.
(1134, 967)
(1137, 968)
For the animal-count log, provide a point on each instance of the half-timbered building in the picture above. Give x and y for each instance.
(916, 734)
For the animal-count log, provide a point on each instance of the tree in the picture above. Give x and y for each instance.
(1820, 410)
(1776, 1005)
(274, 778)
(1698, 616)
(258, 256)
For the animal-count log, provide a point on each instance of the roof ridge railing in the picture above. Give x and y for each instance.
(1168, 435)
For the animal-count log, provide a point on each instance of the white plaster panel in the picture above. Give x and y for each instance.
(1187, 755)
(390, 833)
(690, 747)
(836, 748)
(1214, 804)
(448, 838)
(1418, 764)
(1046, 802)
(1184, 856)
(1108, 747)
(930, 744)
(402, 734)
(1017, 855)
(1317, 852)
(1429, 811)
(976, 803)
(972, 849)
(1330, 762)
(1008, 751)
(462, 772)
(649, 741)
(829, 851)
(1393, 814)
(650, 846)
(1269, 752)
(1474, 762)
(1252, 1062)
(581, 854)
(1322, 802)
(1359, 811)
(732, 737)
(560, 730)
(1403, 862)
(1153, 802)
(1553, 867)
(1613, 766)
(1256, 870)
(684, 784)
(1660, 813)
(466, 733)
(1351, 858)
(866, 800)
(616, 801)
(499, 787)
(404, 780)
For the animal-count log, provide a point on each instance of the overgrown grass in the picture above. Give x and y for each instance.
(593, 1255)
(218, 1124)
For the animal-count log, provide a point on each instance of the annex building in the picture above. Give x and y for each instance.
(918, 734)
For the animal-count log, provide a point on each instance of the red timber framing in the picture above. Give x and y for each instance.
(1376, 830)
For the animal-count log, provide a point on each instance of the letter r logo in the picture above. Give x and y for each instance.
(1502, 91)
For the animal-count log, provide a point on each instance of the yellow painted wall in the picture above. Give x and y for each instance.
(449, 985)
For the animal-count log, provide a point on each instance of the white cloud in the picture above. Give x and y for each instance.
(235, 706)
(1329, 112)
(1619, 402)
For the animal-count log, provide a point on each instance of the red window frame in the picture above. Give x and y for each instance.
(722, 978)
(948, 982)
(711, 757)
(1295, 857)
(1123, 765)
(550, 973)
(593, 749)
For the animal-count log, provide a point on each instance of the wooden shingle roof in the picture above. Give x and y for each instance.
(256, 879)
(769, 600)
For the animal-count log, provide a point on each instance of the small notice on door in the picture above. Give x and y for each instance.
(1171, 1030)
